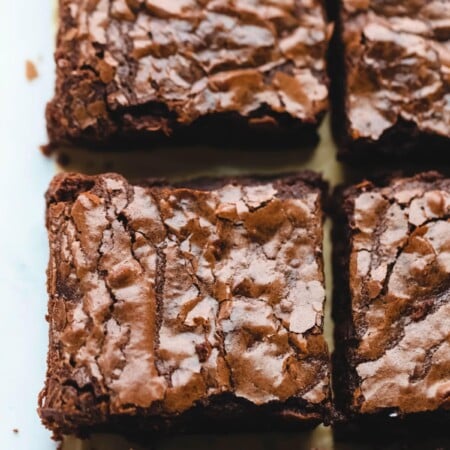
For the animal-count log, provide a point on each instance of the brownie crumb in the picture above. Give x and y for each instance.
(47, 149)
(31, 71)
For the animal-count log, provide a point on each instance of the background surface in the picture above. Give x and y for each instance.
(26, 33)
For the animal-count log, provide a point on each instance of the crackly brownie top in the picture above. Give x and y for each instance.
(161, 297)
(185, 59)
(398, 65)
(400, 285)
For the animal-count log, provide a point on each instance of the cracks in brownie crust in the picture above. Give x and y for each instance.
(161, 265)
(116, 215)
(421, 372)
(187, 260)
(111, 214)
(408, 310)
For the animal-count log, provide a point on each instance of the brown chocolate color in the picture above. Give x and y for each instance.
(180, 307)
(143, 70)
(391, 301)
(392, 89)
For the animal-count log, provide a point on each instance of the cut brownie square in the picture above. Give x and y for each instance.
(141, 70)
(176, 308)
(394, 93)
(391, 304)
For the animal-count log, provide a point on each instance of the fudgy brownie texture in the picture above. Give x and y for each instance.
(183, 307)
(391, 300)
(392, 92)
(139, 70)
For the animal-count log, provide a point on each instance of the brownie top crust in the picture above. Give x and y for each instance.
(164, 297)
(144, 65)
(399, 286)
(397, 65)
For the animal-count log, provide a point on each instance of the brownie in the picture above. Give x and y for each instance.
(185, 307)
(391, 303)
(392, 89)
(217, 69)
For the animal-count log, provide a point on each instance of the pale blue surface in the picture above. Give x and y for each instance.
(26, 32)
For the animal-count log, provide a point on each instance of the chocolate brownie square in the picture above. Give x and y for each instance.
(391, 303)
(217, 69)
(185, 307)
(393, 88)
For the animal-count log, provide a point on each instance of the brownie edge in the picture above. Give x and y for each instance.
(176, 306)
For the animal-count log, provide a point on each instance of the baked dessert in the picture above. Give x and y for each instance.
(393, 78)
(218, 69)
(391, 303)
(180, 307)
